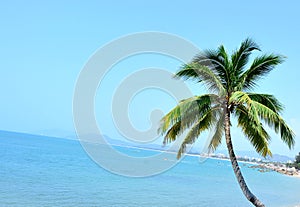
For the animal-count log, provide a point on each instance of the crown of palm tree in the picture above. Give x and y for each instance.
(230, 80)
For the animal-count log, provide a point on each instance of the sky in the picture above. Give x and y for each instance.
(45, 45)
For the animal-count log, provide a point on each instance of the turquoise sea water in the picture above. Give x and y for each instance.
(43, 171)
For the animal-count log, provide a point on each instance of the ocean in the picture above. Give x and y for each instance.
(37, 171)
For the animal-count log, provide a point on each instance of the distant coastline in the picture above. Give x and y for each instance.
(264, 166)
(257, 163)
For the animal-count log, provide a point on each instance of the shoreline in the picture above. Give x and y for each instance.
(263, 167)
(277, 167)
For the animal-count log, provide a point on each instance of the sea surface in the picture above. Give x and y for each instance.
(37, 171)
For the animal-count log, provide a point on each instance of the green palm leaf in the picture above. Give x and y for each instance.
(201, 125)
(255, 132)
(268, 100)
(260, 67)
(258, 110)
(185, 114)
(241, 56)
(216, 139)
(216, 61)
(201, 73)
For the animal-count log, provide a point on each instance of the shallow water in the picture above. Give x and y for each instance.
(43, 171)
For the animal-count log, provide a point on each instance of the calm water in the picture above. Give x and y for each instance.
(42, 171)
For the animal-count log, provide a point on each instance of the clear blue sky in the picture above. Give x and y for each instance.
(44, 45)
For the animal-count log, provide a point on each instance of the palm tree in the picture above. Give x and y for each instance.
(230, 80)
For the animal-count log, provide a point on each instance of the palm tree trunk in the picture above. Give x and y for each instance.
(252, 198)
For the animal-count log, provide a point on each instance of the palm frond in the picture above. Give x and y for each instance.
(260, 67)
(274, 120)
(223, 56)
(201, 125)
(173, 132)
(201, 73)
(256, 111)
(216, 61)
(240, 57)
(184, 115)
(216, 139)
(268, 100)
(254, 131)
(286, 133)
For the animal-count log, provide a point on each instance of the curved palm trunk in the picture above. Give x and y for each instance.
(252, 198)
